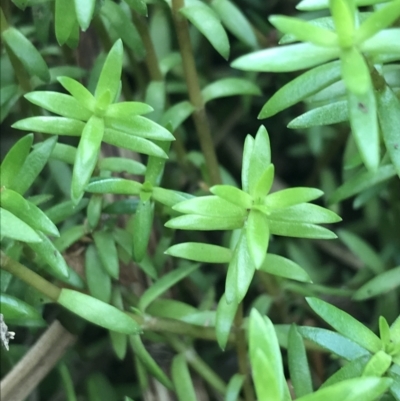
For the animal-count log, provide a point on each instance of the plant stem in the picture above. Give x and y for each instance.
(241, 350)
(195, 96)
(198, 364)
(29, 277)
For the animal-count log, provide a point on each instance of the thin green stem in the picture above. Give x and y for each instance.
(241, 350)
(199, 115)
(198, 364)
(29, 277)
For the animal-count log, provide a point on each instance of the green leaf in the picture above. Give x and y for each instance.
(334, 342)
(151, 365)
(94, 210)
(363, 251)
(63, 210)
(240, 271)
(383, 46)
(127, 110)
(119, 186)
(107, 252)
(51, 125)
(292, 196)
(378, 364)
(138, 5)
(264, 184)
(169, 197)
(247, 156)
(33, 165)
(355, 72)
(121, 164)
(59, 103)
(366, 389)
(64, 20)
(280, 266)
(142, 226)
(69, 237)
(344, 19)
(225, 315)
(235, 21)
(304, 213)
(304, 31)
(84, 12)
(208, 223)
(177, 114)
(170, 308)
(384, 331)
(86, 156)
(100, 389)
(257, 234)
(299, 230)
(134, 143)
(311, 5)
(379, 20)
(97, 312)
(207, 22)
(333, 113)
(346, 324)
(181, 378)
(78, 91)
(26, 53)
(303, 86)
(299, 369)
(233, 195)
(199, 252)
(49, 254)
(139, 126)
(27, 212)
(266, 359)
(362, 181)
(110, 75)
(210, 206)
(122, 24)
(381, 284)
(64, 153)
(14, 160)
(287, 58)
(389, 120)
(98, 280)
(229, 87)
(164, 283)
(19, 313)
(260, 159)
(234, 386)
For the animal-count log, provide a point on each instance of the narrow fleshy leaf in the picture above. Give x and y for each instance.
(299, 230)
(229, 87)
(264, 184)
(389, 120)
(127, 110)
(78, 91)
(121, 164)
(69, 237)
(303, 86)
(97, 312)
(107, 252)
(84, 12)
(346, 324)
(26, 53)
(138, 5)
(283, 267)
(207, 223)
(299, 369)
(27, 212)
(181, 378)
(51, 125)
(98, 280)
(225, 316)
(169, 197)
(381, 284)
(134, 143)
(164, 283)
(14, 228)
(199, 252)
(14, 160)
(383, 46)
(378, 364)
(355, 72)
(247, 155)
(177, 114)
(149, 363)
(86, 156)
(120, 186)
(110, 75)
(235, 21)
(64, 20)
(142, 227)
(292, 196)
(207, 22)
(63, 210)
(233, 195)
(257, 234)
(59, 103)
(344, 19)
(286, 58)
(234, 386)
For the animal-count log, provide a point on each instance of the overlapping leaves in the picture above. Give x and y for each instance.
(95, 119)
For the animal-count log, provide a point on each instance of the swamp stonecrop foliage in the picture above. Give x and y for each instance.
(61, 202)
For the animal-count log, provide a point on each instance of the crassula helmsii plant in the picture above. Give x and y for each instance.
(92, 230)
